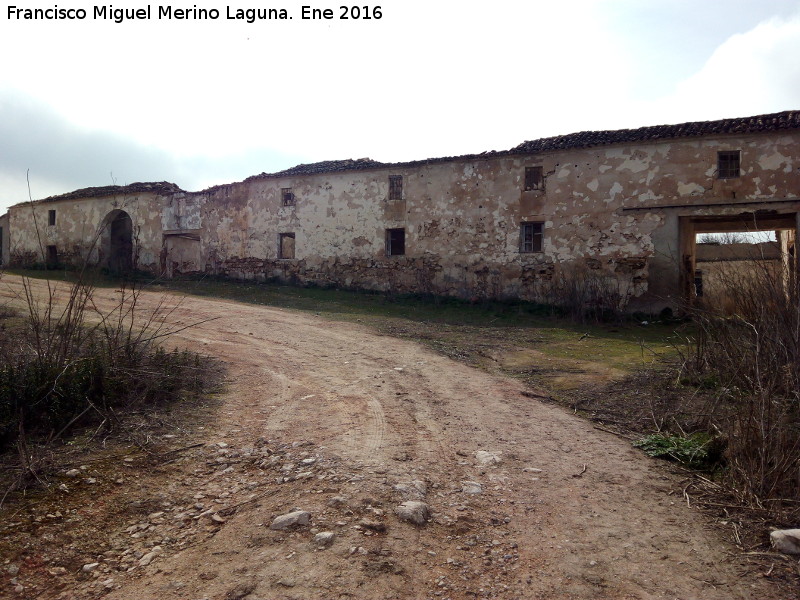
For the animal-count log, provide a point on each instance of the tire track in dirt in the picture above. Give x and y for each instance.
(376, 429)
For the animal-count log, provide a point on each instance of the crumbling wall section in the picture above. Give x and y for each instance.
(679, 179)
(608, 213)
(183, 247)
(461, 219)
(76, 227)
(510, 224)
(4, 242)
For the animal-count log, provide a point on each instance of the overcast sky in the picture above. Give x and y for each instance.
(198, 102)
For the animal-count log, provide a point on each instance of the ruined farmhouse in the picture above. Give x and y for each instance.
(618, 208)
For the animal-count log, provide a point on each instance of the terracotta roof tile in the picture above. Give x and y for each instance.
(788, 120)
(327, 166)
(587, 139)
(583, 139)
(158, 187)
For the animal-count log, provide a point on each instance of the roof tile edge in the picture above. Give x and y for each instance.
(789, 119)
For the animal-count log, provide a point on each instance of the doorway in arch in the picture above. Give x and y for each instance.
(117, 242)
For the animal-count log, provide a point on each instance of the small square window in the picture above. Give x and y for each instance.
(530, 237)
(728, 164)
(395, 242)
(534, 178)
(287, 197)
(51, 217)
(286, 245)
(395, 187)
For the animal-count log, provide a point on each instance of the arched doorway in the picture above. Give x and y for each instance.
(117, 242)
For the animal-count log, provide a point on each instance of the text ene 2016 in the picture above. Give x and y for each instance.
(345, 12)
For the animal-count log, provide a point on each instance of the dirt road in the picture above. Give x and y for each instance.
(335, 420)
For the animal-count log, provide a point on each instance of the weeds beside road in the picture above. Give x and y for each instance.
(65, 363)
(628, 377)
(590, 373)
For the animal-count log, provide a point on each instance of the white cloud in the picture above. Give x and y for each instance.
(205, 102)
(426, 79)
(62, 156)
(750, 73)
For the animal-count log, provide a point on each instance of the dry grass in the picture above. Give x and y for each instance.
(65, 363)
(749, 357)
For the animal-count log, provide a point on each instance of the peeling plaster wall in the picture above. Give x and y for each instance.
(462, 218)
(79, 228)
(609, 213)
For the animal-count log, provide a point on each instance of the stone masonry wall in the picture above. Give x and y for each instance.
(4, 243)
(79, 226)
(608, 214)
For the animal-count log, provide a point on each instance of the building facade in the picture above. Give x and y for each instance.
(616, 211)
(4, 241)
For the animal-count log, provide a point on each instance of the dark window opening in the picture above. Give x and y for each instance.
(534, 178)
(51, 217)
(530, 237)
(287, 196)
(286, 245)
(698, 283)
(395, 242)
(395, 187)
(52, 256)
(728, 164)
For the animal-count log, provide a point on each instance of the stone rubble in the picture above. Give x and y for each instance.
(324, 539)
(786, 540)
(228, 477)
(292, 519)
(486, 458)
(412, 490)
(413, 511)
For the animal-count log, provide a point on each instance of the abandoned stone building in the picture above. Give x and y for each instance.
(619, 209)
(4, 242)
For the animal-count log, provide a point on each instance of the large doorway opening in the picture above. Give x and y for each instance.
(117, 242)
(721, 254)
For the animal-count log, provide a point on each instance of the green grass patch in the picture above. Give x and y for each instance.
(455, 327)
(697, 450)
(481, 334)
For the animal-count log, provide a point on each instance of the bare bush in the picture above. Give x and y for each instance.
(71, 362)
(730, 237)
(587, 294)
(747, 347)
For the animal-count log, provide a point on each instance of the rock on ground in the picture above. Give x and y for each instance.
(414, 490)
(486, 459)
(471, 487)
(148, 558)
(292, 519)
(786, 540)
(413, 511)
(324, 539)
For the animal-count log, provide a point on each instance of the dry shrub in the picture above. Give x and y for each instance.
(587, 294)
(747, 347)
(69, 363)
